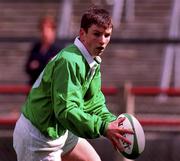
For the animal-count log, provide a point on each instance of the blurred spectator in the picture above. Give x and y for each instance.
(43, 50)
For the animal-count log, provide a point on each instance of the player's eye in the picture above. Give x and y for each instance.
(107, 35)
(97, 34)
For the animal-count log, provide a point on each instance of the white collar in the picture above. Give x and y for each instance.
(85, 53)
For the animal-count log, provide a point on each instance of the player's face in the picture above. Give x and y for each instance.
(95, 39)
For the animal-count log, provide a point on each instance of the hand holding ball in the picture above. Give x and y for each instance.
(133, 150)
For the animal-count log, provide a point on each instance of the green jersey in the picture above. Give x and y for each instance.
(67, 96)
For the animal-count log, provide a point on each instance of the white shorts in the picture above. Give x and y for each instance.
(31, 145)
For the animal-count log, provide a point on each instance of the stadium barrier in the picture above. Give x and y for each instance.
(131, 93)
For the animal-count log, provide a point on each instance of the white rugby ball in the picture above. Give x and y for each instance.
(137, 139)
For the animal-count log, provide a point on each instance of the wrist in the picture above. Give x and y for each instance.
(104, 127)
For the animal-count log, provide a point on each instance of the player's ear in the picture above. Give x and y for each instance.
(82, 33)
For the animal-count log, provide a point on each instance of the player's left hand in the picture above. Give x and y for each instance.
(115, 133)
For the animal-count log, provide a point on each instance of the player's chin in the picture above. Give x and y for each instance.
(99, 53)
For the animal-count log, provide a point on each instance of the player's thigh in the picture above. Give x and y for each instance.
(83, 151)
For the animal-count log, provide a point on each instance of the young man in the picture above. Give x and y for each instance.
(66, 105)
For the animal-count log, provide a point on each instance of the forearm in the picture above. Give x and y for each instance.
(80, 123)
(98, 107)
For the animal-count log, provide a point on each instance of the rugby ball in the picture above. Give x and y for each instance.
(137, 139)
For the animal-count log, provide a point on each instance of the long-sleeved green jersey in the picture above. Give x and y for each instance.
(67, 96)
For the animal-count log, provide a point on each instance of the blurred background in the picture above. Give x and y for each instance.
(140, 67)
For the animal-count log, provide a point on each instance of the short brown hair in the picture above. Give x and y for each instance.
(96, 16)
